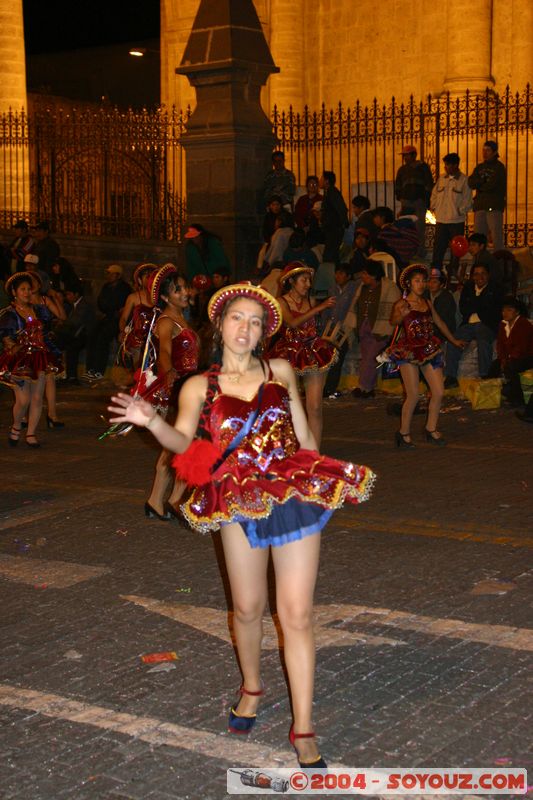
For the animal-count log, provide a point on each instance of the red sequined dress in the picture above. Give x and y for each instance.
(161, 390)
(302, 347)
(416, 342)
(276, 490)
(138, 327)
(31, 354)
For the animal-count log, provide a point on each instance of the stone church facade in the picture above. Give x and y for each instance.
(336, 50)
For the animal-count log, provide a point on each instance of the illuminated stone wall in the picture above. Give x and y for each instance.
(331, 50)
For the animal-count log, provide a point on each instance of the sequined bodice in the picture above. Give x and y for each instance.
(272, 437)
(305, 331)
(141, 319)
(418, 326)
(185, 351)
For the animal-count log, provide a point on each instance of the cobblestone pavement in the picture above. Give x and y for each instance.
(423, 613)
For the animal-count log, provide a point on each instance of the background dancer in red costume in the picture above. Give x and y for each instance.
(134, 322)
(415, 349)
(25, 359)
(257, 476)
(299, 343)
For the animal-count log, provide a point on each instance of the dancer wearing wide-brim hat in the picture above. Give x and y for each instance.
(415, 348)
(299, 342)
(247, 450)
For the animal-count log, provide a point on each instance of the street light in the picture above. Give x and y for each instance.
(138, 52)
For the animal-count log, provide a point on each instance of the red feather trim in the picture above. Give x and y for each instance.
(194, 465)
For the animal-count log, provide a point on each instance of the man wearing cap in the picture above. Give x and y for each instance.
(45, 247)
(111, 300)
(21, 245)
(451, 200)
(203, 252)
(31, 264)
(412, 188)
(489, 179)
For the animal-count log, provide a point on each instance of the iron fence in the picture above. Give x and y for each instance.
(115, 173)
(361, 144)
(100, 172)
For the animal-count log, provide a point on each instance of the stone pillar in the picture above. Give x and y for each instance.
(287, 47)
(229, 139)
(469, 46)
(14, 169)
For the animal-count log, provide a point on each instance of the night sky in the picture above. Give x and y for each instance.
(51, 25)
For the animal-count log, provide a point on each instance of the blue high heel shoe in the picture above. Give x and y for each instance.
(242, 723)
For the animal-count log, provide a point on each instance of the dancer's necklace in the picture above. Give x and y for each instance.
(298, 303)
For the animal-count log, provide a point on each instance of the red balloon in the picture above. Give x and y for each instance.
(201, 282)
(459, 246)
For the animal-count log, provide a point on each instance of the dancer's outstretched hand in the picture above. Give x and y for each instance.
(126, 408)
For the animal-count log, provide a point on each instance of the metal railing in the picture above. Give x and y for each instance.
(122, 173)
(362, 145)
(100, 172)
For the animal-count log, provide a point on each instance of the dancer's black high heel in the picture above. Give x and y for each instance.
(53, 423)
(401, 441)
(13, 436)
(242, 723)
(34, 444)
(317, 763)
(440, 441)
(151, 513)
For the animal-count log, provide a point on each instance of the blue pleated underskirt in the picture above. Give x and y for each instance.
(287, 522)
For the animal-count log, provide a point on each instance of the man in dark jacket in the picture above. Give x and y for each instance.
(110, 302)
(480, 305)
(412, 187)
(489, 179)
(71, 334)
(45, 247)
(20, 247)
(334, 217)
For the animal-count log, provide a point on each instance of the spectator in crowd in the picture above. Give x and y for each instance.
(111, 300)
(203, 252)
(489, 179)
(45, 247)
(62, 274)
(373, 304)
(31, 264)
(21, 245)
(280, 181)
(412, 187)
(345, 288)
(442, 301)
(280, 239)
(514, 348)
(334, 217)
(273, 212)
(304, 204)
(72, 333)
(451, 200)
(477, 247)
(480, 305)
(315, 234)
(361, 250)
(399, 240)
(299, 250)
(360, 204)
(221, 277)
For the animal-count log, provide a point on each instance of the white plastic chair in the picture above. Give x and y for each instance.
(388, 262)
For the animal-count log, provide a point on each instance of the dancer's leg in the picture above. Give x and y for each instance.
(247, 572)
(296, 567)
(314, 389)
(21, 404)
(162, 481)
(50, 391)
(410, 379)
(36, 404)
(435, 381)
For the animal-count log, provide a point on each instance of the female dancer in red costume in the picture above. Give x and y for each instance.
(177, 349)
(134, 322)
(299, 343)
(415, 349)
(51, 309)
(25, 359)
(261, 480)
